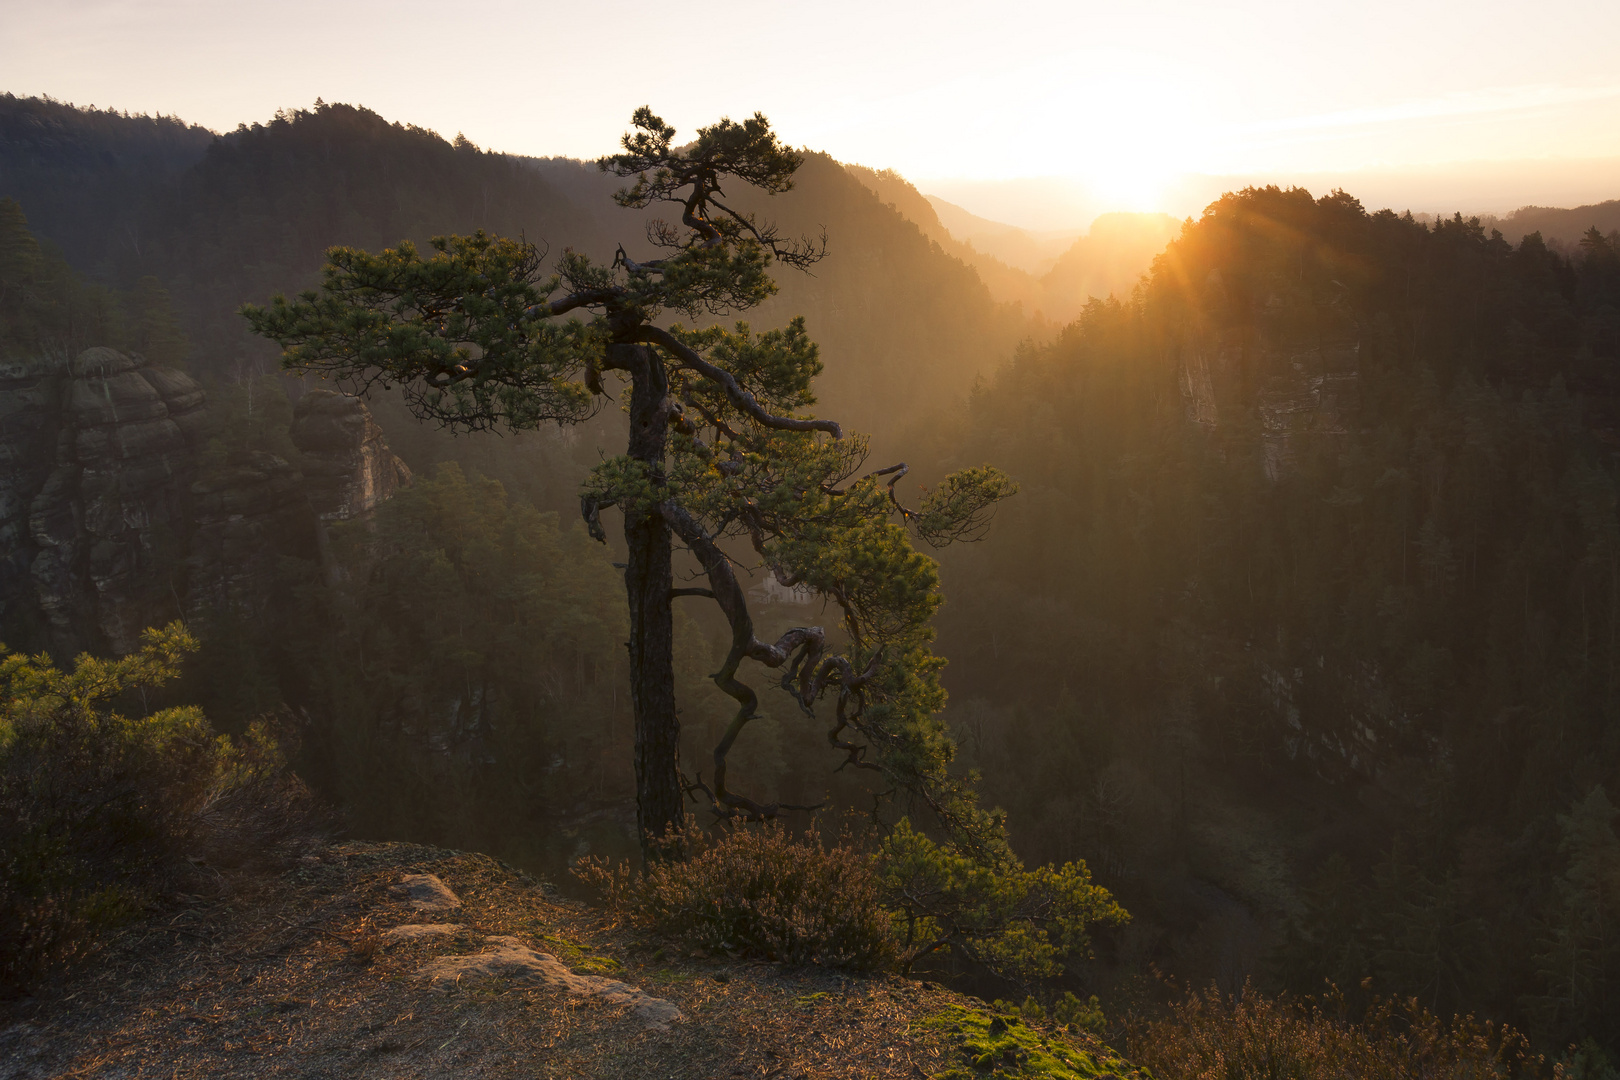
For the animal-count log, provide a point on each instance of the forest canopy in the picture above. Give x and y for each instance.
(1320, 523)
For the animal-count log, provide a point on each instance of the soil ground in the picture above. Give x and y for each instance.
(285, 975)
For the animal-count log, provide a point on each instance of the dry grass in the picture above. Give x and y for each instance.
(1247, 1036)
(288, 976)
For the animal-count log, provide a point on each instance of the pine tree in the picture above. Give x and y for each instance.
(721, 451)
(1580, 961)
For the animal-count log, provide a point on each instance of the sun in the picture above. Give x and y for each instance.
(1129, 185)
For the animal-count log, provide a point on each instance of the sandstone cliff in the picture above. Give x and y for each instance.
(348, 468)
(114, 516)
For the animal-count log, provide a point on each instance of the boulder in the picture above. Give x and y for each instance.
(508, 958)
(427, 893)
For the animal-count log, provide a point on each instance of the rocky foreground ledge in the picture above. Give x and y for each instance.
(394, 960)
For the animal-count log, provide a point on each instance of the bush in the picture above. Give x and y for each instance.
(1080, 1014)
(94, 804)
(760, 892)
(986, 908)
(1249, 1036)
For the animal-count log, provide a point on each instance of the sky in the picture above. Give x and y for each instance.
(1037, 113)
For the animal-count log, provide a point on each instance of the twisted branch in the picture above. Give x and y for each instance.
(801, 650)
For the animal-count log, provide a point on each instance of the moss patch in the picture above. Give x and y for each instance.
(991, 1045)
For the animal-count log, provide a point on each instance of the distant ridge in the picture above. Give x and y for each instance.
(1557, 225)
(1035, 252)
(1073, 268)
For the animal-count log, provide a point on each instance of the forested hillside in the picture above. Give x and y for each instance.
(1313, 596)
(222, 220)
(537, 724)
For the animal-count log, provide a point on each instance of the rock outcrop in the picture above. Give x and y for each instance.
(508, 959)
(427, 893)
(110, 523)
(29, 412)
(110, 520)
(1284, 363)
(348, 468)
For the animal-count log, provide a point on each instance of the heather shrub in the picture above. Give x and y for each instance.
(756, 891)
(95, 804)
(1211, 1036)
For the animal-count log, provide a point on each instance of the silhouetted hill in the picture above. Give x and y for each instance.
(1108, 261)
(1008, 284)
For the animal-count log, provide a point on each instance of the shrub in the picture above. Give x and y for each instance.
(1249, 1036)
(757, 891)
(1068, 1011)
(988, 909)
(94, 803)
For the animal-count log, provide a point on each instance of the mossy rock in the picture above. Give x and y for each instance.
(993, 1045)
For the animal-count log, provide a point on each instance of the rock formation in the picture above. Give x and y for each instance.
(1297, 389)
(29, 393)
(1289, 364)
(506, 958)
(110, 522)
(348, 468)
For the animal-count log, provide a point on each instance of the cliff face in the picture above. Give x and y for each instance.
(348, 468)
(113, 513)
(109, 521)
(1295, 389)
(1285, 363)
(29, 400)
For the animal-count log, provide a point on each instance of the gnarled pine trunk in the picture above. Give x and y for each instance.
(648, 581)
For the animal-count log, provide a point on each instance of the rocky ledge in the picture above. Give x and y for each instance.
(393, 960)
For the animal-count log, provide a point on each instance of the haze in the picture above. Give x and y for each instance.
(1042, 114)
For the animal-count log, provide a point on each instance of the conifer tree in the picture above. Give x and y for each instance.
(1580, 959)
(153, 328)
(722, 452)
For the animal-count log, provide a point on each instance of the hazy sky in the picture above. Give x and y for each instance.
(1137, 105)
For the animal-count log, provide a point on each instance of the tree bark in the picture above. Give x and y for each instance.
(648, 579)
